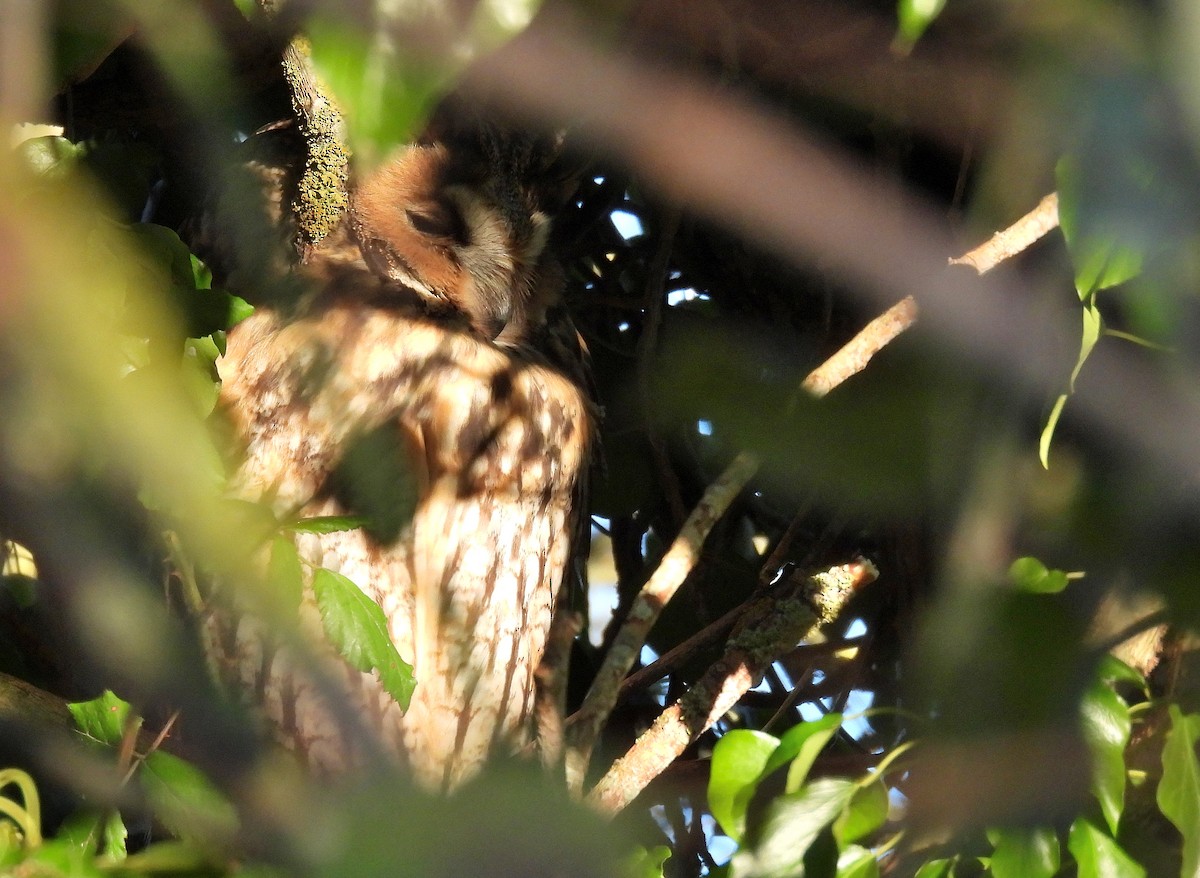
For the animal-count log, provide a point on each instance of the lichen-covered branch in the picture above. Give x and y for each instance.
(321, 194)
(779, 618)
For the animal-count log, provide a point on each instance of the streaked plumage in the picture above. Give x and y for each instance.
(433, 321)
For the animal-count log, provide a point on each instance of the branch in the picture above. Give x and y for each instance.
(1017, 238)
(321, 197)
(647, 606)
(774, 623)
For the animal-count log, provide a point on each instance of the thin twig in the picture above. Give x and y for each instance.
(1017, 238)
(854, 356)
(782, 616)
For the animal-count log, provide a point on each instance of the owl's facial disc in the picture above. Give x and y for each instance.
(448, 240)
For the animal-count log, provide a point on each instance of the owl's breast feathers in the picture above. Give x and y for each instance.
(495, 437)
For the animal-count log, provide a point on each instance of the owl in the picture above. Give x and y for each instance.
(431, 327)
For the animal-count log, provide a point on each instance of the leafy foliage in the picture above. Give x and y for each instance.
(976, 648)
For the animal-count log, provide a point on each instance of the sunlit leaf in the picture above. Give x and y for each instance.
(1102, 256)
(1106, 728)
(857, 862)
(738, 761)
(800, 746)
(1098, 855)
(1021, 853)
(385, 91)
(915, 16)
(103, 719)
(358, 630)
(1178, 793)
(868, 811)
(1030, 574)
(1093, 326)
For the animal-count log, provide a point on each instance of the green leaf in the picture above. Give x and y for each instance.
(791, 826)
(857, 862)
(867, 812)
(103, 719)
(1101, 257)
(800, 746)
(51, 155)
(1030, 574)
(914, 17)
(1106, 728)
(937, 869)
(285, 574)
(385, 91)
(1093, 326)
(94, 831)
(172, 857)
(358, 630)
(1112, 670)
(186, 801)
(325, 524)
(1097, 855)
(646, 862)
(1025, 853)
(1179, 790)
(738, 763)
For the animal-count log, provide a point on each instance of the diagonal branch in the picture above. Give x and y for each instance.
(774, 623)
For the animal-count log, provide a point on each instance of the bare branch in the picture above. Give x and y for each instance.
(672, 571)
(775, 622)
(1017, 238)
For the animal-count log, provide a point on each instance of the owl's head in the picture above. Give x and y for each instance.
(465, 224)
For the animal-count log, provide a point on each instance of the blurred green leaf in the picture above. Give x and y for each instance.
(103, 719)
(385, 91)
(738, 763)
(914, 17)
(857, 862)
(646, 862)
(285, 573)
(186, 801)
(1106, 728)
(1098, 855)
(1025, 853)
(1030, 574)
(325, 524)
(1112, 670)
(1101, 257)
(868, 811)
(1178, 793)
(358, 630)
(374, 480)
(169, 857)
(791, 825)
(95, 832)
(1093, 326)
(937, 869)
(51, 154)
